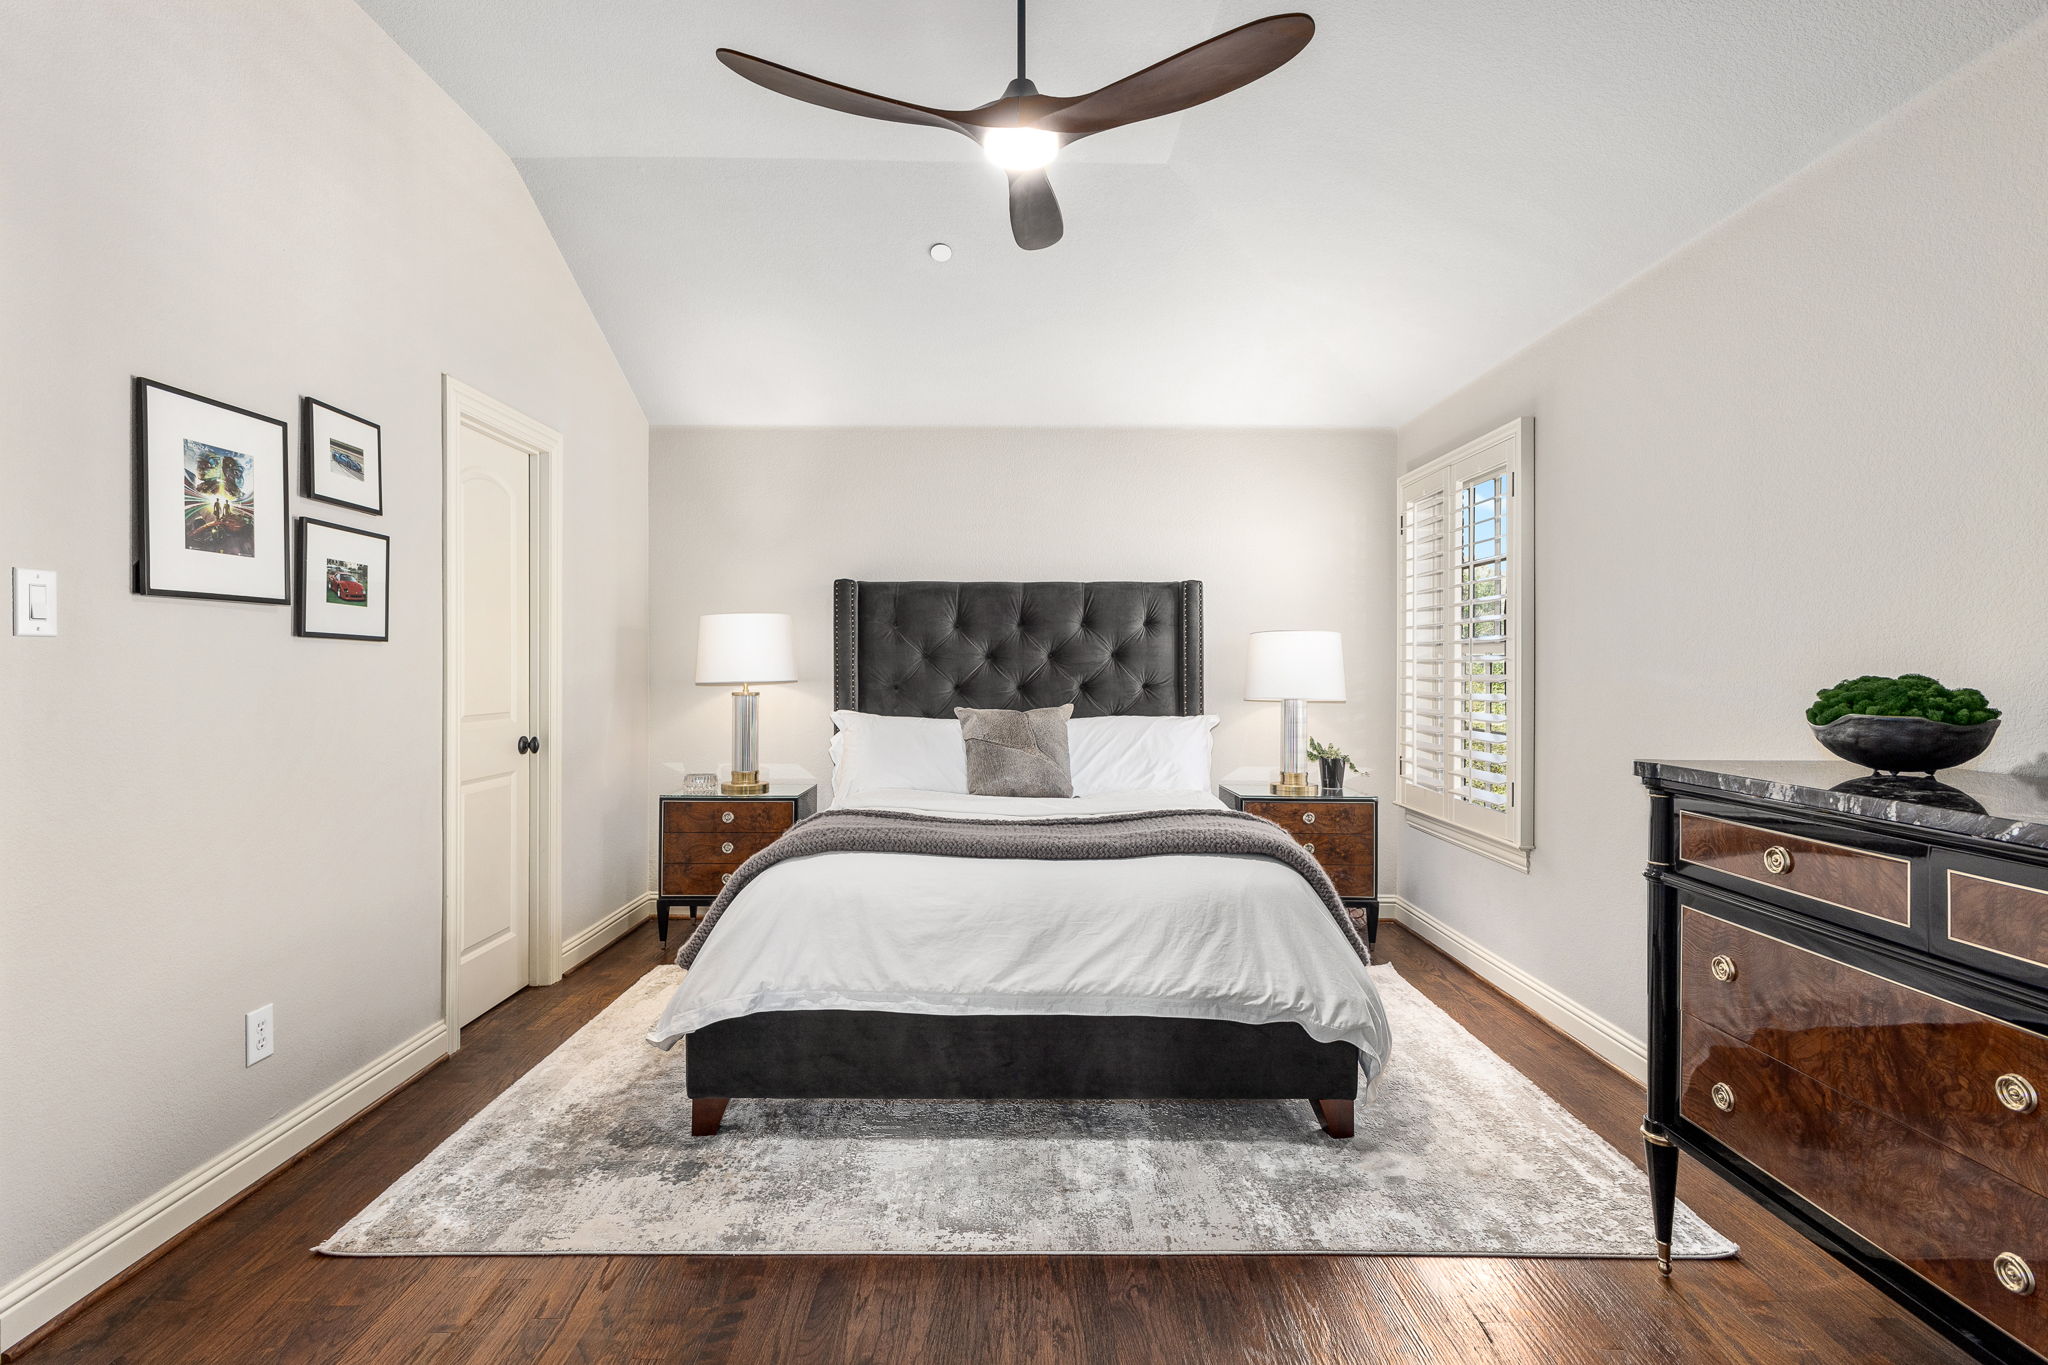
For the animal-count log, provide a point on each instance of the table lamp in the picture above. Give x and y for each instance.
(1295, 667)
(745, 647)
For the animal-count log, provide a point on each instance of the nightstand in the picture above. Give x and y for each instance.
(1341, 829)
(704, 838)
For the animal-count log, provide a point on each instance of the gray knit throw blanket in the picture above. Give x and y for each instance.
(1154, 834)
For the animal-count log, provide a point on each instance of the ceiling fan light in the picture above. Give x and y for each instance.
(1020, 149)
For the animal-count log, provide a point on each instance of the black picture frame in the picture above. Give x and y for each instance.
(305, 606)
(150, 576)
(312, 427)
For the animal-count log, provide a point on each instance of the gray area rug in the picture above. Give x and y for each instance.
(1458, 1154)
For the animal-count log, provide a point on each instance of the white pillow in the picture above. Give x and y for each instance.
(871, 753)
(1140, 753)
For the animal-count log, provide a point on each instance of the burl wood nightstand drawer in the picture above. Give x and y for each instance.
(1334, 850)
(1348, 858)
(1353, 879)
(1980, 1238)
(1868, 883)
(1306, 819)
(732, 815)
(1960, 1078)
(713, 846)
(695, 878)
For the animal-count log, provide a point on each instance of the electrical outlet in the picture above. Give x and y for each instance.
(261, 1037)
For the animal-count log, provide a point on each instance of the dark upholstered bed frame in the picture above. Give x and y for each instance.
(921, 649)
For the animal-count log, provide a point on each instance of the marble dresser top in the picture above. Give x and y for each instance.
(2003, 808)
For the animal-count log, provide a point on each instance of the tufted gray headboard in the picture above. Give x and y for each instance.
(1112, 649)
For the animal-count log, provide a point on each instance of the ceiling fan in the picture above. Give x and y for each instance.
(1023, 131)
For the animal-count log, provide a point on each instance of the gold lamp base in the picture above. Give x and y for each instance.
(1295, 784)
(744, 784)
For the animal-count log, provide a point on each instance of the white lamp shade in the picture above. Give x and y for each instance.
(745, 647)
(1286, 665)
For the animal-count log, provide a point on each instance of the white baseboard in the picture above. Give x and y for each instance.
(70, 1275)
(1601, 1036)
(588, 943)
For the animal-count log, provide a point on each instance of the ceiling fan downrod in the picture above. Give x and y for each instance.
(1022, 85)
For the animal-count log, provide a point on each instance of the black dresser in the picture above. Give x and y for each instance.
(1849, 1022)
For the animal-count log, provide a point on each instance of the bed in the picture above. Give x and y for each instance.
(884, 975)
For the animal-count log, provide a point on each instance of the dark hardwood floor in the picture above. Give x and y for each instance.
(244, 1289)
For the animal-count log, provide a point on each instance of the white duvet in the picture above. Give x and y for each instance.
(1194, 937)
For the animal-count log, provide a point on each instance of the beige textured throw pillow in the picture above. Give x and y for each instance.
(1017, 753)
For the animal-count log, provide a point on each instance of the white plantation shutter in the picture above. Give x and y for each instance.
(1425, 625)
(1479, 709)
(1465, 642)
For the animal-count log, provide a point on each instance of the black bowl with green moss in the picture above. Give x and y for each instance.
(1907, 724)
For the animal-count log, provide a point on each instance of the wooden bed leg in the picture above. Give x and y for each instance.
(1335, 1116)
(705, 1116)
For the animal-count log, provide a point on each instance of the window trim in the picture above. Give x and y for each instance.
(1472, 841)
(1509, 448)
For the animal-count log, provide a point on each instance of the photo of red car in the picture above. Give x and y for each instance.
(345, 585)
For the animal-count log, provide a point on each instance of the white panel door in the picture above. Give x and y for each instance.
(494, 707)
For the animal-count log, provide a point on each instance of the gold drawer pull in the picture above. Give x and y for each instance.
(1723, 967)
(725, 847)
(1722, 1096)
(2013, 1273)
(724, 877)
(1777, 860)
(726, 816)
(2017, 1093)
(1308, 817)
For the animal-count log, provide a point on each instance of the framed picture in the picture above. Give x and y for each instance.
(344, 583)
(210, 497)
(342, 457)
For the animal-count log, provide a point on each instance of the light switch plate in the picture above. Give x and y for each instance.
(35, 601)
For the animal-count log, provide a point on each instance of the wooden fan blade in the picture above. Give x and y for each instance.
(788, 81)
(1196, 76)
(1034, 214)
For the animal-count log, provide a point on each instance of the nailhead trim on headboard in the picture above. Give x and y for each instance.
(845, 683)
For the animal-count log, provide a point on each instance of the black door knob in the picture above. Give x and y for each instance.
(529, 744)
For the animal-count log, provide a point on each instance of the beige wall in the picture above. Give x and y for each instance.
(200, 813)
(1812, 445)
(1285, 528)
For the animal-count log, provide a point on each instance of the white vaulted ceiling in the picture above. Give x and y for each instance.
(1430, 186)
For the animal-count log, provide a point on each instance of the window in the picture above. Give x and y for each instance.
(1465, 698)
